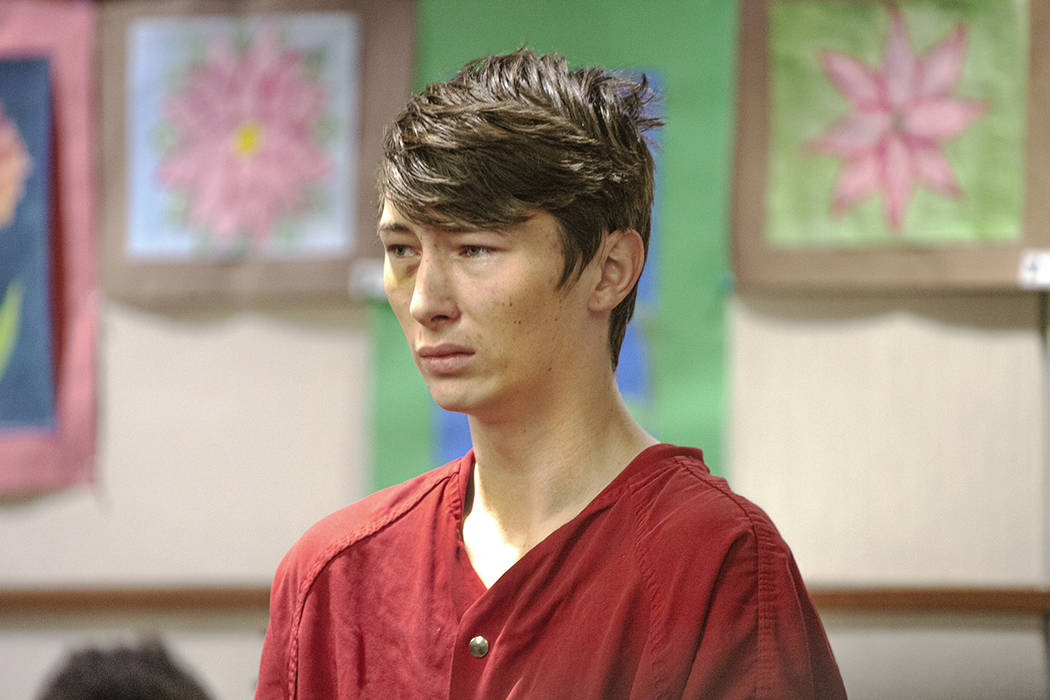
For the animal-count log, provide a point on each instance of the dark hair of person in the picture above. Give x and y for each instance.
(510, 136)
(123, 673)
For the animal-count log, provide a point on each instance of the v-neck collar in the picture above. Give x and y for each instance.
(470, 586)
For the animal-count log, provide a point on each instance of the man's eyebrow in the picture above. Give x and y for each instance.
(473, 231)
(393, 227)
(401, 227)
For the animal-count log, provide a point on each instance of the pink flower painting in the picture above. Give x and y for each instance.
(900, 116)
(245, 152)
(15, 166)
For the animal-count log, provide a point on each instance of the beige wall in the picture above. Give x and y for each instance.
(894, 440)
(939, 656)
(222, 437)
(220, 650)
(903, 441)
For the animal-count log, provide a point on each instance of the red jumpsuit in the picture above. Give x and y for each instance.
(666, 585)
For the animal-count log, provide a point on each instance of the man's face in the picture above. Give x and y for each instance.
(484, 319)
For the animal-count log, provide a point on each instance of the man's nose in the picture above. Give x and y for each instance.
(433, 300)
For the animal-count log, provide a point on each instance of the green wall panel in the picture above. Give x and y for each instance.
(691, 46)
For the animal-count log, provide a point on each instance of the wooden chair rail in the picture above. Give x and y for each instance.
(228, 598)
(932, 599)
(173, 598)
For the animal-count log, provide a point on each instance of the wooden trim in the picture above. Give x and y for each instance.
(932, 599)
(200, 598)
(224, 598)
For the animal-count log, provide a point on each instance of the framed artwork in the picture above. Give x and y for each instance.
(27, 386)
(892, 145)
(240, 143)
(48, 313)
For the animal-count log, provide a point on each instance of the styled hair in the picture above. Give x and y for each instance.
(509, 136)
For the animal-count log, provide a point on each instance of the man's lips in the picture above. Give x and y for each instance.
(445, 358)
(443, 349)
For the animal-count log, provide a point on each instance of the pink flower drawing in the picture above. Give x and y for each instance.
(245, 154)
(900, 116)
(15, 166)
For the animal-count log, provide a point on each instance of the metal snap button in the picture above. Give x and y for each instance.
(479, 646)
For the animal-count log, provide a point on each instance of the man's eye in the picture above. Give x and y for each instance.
(473, 251)
(398, 250)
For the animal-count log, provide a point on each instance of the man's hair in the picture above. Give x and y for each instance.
(123, 673)
(509, 136)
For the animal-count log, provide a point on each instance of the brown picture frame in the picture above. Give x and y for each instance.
(1021, 264)
(386, 55)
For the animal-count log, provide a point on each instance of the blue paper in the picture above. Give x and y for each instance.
(27, 385)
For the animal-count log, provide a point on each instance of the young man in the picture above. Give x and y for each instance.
(569, 554)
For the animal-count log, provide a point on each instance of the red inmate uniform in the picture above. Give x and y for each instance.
(666, 585)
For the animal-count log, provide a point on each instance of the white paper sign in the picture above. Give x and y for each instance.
(1034, 272)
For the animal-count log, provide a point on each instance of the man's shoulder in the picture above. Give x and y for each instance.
(678, 499)
(708, 553)
(361, 520)
(694, 535)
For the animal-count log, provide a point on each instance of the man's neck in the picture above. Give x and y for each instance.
(531, 477)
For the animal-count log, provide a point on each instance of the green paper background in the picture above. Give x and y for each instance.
(987, 157)
(691, 44)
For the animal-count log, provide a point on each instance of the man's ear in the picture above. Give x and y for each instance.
(620, 265)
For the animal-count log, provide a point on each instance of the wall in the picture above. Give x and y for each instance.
(220, 650)
(689, 47)
(222, 437)
(901, 440)
(898, 440)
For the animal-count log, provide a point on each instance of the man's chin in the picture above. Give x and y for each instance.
(450, 401)
(461, 396)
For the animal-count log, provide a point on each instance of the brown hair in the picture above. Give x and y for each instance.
(511, 135)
